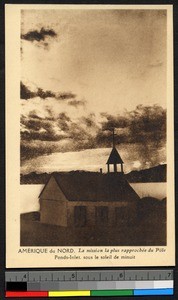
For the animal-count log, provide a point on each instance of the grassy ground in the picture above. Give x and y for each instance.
(146, 232)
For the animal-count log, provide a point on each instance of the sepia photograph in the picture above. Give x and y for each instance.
(93, 127)
(95, 119)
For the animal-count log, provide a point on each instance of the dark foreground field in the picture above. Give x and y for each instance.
(149, 230)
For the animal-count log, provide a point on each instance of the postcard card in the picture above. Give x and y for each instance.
(89, 136)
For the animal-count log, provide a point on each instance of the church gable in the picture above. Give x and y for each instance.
(52, 191)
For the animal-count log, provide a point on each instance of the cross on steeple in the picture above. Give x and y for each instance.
(113, 139)
(114, 158)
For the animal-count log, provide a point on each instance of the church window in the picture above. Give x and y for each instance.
(102, 215)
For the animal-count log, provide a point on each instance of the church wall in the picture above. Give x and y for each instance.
(91, 212)
(62, 213)
(52, 191)
(112, 216)
(133, 213)
(99, 203)
(53, 212)
(57, 210)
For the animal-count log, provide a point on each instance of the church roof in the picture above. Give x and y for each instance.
(86, 186)
(114, 157)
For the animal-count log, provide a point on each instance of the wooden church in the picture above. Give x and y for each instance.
(90, 198)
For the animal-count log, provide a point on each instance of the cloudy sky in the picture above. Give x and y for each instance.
(84, 72)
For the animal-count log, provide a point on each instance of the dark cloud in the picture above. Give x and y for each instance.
(26, 94)
(60, 133)
(44, 94)
(31, 123)
(65, 96)
(142, 125)
(77, 103)
(64, 122)
(39, 129)
(90, 121)
(54, 129)
(39, 36)
(34, 149)
(148, 124)
(33, 115)
(142, 130)
(114, 121)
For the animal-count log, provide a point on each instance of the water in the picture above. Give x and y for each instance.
(150, 189)
(29, 193)
(29, 197)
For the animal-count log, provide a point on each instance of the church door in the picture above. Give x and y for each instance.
(80, 214)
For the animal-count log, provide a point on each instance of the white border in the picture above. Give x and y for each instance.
(15, 259)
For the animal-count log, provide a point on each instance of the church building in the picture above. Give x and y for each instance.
(85, 199)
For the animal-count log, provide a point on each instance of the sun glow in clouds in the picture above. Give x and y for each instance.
(76, 67)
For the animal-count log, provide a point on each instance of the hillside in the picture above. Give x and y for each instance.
(155, 174)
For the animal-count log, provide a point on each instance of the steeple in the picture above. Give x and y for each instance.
(114, 158)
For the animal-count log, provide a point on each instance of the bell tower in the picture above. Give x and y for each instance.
(115, 159)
